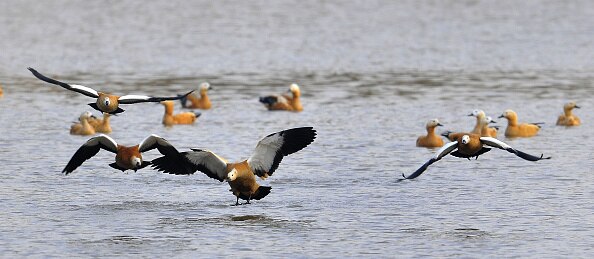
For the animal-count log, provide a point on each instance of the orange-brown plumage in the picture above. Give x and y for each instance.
(170, 119)
(568, 118)
(431, 139)
(515, 129)
(202, 102)
(101, 125)
(83, 127)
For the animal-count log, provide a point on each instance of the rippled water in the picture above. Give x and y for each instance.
(364, 95)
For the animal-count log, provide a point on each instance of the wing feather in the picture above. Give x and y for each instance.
(493, 142)
(443, 151)
(130, 99)
(270, 150)
(196, 160)
(76, 88)
(90, 149)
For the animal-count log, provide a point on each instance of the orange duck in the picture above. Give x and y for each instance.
(468, 145)
(241, 176)
(479, 128)
(284, 102)
(127, 158)
(105, 102)
(201, 102)
(515, 129)
(567, 118)
(83, 127)
(431, 139)
(169, 119)
(101, 125)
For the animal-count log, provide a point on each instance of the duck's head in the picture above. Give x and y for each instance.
(465, 139)
(570, 105)
(205, 87)
(136, 161)
(477, 113)
(85, 116)
(433, 123)
(294, 89)
(486, 120)
(509, 114)
(232, 175)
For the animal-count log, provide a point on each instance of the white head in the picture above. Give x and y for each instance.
(136, 161)
(85, 115)
(433, 123)
(105, 100)
(477, 113)
(231, 176)
(205, 86)
(294, 87)
(465, 139)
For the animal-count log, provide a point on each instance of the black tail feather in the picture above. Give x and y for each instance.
(183, 100)
(260, 193)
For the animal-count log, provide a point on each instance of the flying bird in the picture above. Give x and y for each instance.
(468, 145)
(127, 158)
(241, 176)
(105, 102)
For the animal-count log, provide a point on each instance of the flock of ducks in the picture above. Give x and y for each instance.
(270, 150)
(241, 175)
(482, 138)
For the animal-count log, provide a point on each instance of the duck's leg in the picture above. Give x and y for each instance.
(248, 200)
(236, 202)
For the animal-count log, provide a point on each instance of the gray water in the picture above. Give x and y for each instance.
(372, 73)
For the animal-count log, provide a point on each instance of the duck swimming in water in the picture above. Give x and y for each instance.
(83, 127)
(431, 139)
(468, 145)
(101, 125)
(105, 102)
(284, 102)
(170, 119)
(241, 176)
(484, 130)
(127, 158)
(515, 129)
(201, 102)
(568, 118)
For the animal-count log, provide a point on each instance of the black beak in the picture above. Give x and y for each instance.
(501, 116)
(492, 121)
(439, 124)
(470, 114)
(577, 107)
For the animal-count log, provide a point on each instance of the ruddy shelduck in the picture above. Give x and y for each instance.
(101, 125)
(484, 130)
(83, 127)
(241, 176)
(196, 102)
(1, 91)
(105, 102)
(170, 119)
(468, 145)
(284, 102)
(567, 118)
(515, 129)
(483, 125)
(431, 139)
(127, 158)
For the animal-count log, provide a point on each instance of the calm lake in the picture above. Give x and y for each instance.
(372, 73)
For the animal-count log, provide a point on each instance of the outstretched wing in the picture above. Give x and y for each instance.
(130, 99)
(153, 141)
(77, 88)
(196, 160)
(270, 150)
(446, 149)
(493, 142)
(89, 149)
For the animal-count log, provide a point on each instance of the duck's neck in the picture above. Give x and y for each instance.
(169, 109)
(430, 131)
(568, 112)
(512, 121)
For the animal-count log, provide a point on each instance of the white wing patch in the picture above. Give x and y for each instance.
(85, 89)
(210, 160)
(495, 143)
(105, 140)
(263, 156)
(446, 149)
(151, 140)
(132, 97)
